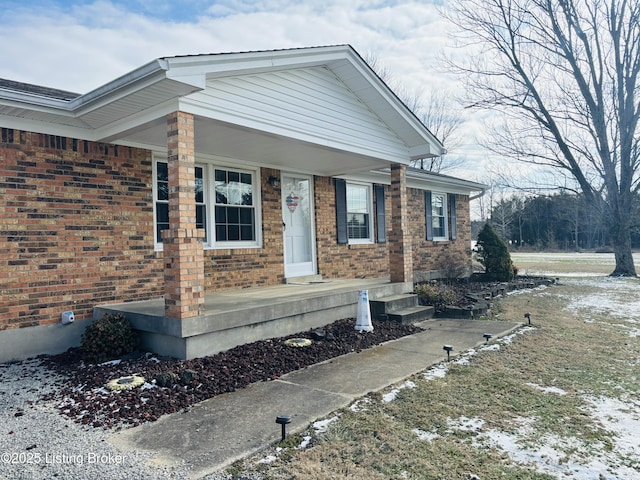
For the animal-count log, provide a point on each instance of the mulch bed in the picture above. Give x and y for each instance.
(83, 397)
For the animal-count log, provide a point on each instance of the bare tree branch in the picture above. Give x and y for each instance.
(564, 73)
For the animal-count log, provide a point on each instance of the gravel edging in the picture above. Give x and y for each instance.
(36, 442)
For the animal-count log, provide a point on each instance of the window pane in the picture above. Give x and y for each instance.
(234, 188)
(233, 232)
(162, 219)
(221, 233)
(162, 181)
(221, 215)
(221, 195)
(357, 201)
(233, 215)
(246, 216)
(199, 185)
(234, 223)
(201, 216)
(358, 226)
(246, 232)
(437, 204)
(438, 215)
(247, 196)
(358, 212)
(162, 171)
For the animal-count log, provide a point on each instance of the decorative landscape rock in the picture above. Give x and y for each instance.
(318, 334)
(298, 342)
(125, 383)
(221, 373)
(166, 379)
(188, 376)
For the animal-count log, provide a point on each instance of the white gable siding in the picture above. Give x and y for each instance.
(309, 104)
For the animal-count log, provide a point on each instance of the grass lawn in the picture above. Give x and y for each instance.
(560, 399)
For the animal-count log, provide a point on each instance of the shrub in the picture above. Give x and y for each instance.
(453, 265)
(107, 338)
(437, 294)
(493, 254)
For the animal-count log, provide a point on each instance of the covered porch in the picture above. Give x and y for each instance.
(234, 130)
(235, 317)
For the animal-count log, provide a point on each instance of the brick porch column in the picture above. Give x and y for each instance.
(400, 250)
(183, 254)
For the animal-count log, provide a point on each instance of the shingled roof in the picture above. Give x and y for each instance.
(37, 90)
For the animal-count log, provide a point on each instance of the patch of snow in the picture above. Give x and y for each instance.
(621, 418)
(321, 425)
(391, 396)
(509, 338)
(567, 457)
(554, 390)
(305, 442)
(425, 436)
(437, 371)
(359, 405)
(111, 362)
(465, 357)
(465, 424)
(614, 298)
(268, 459)
(490, 348)
(539, 288)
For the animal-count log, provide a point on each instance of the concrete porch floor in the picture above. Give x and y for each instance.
(235, 317)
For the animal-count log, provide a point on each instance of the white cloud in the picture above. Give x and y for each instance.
(83, 44)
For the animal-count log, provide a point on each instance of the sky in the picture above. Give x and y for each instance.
(79, 45)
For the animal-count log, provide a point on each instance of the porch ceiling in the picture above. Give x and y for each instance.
(218, 139)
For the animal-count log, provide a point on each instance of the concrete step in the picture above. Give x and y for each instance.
(383, 306)
(305, 280)
(411, 314)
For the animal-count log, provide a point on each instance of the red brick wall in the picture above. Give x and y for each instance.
(427, 254)
(345, 261)
(76, 229)
(252, 267)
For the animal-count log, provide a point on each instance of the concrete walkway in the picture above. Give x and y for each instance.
(223, 429)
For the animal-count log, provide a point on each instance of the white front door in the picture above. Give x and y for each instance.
(298, 223)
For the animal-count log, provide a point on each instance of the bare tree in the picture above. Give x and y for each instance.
(438, 111)
(443, 118)
(565, 74)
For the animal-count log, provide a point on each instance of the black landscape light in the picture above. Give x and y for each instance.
(448, 349)
(487, 336)
(283, 420)
(528, 317)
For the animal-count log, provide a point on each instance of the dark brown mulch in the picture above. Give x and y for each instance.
(82, 396)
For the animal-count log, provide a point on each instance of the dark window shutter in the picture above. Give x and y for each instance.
(452, 216)
(428, 214)
(341, 211)
(381, 223)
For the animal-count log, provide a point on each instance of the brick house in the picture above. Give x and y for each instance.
(199, 174)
